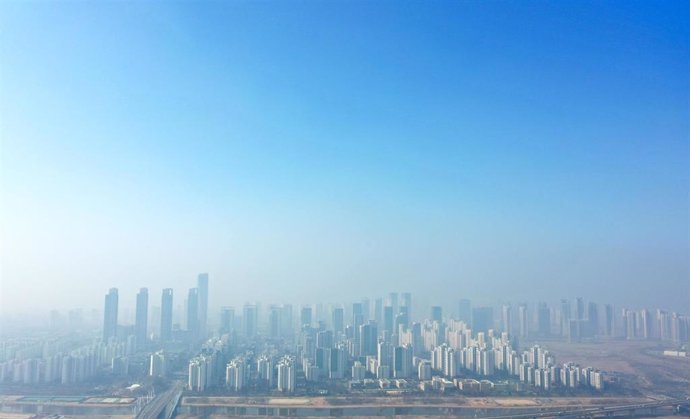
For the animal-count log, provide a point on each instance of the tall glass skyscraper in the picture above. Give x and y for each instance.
(110, 314)
(193, 322)
(142, 314)
(202, 307)
(166, 314)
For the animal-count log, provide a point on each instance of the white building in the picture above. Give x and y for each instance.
(286, 375)
(157, 364)
(235, 373)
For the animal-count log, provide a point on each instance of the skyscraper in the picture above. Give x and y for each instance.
(609, 326)
(482, 319)
(465, 311)
(407, 302)
(507, 320)
(336, 362)
(593, 318)
(286, 319)
(388, 319)
(202, 285)
(110, 314)
(366, 310)
(305, 318)
(378, 311)
(142, 315)
(437, 314)
(324, 339)
(286, 375)
(338, 320)
(523, 320)
(565, 317)
(402, 361)
(249, 319)
(166, 314)
(646, 324)
(543, 319)
(367, 339)
(274, 321)
(404, 317)
(393, 302)
(193, 313)
(357, 315)
(227, 319)
(580, 308)
(630, 323)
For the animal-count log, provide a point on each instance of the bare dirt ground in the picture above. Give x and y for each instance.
(411, 401)
(640, 364)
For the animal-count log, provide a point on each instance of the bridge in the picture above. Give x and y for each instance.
(163, 405)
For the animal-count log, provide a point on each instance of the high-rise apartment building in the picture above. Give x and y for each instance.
(388, 319)
(629, 323)
(166, 314)
(402, 361)
(142, 316)
(338, 320)
(227, 319)
(378, 311)
(565, 317)
(593, 318)
(305, 318)
(249, 320)
(367, 339)
(523, 320)
(580, 308)
(407, 302)
(235, 373)
(506, 319)
(157, 364)
(110, 314)
(465, 311)
(193, 313)
(274, 321)
(543, 319)
(357, 315)
(393, 302)
(202, 306)
(609, 325)
(286, 319)
(482, 319)
(437, 314)
(286, 375)
(646, 324)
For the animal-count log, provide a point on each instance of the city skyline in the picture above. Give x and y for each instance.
(526, 319)
(128, 304)
(314, 150)
(288, 208)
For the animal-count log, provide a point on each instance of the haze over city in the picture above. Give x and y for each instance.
(344, 209)
(303, 151)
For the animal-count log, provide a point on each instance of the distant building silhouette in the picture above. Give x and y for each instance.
(482, 319)
(193, 322)
(166, 314)
(110, 314)
(202, 307)
(142, 316)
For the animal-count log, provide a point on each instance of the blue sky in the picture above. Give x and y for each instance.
(324, 150)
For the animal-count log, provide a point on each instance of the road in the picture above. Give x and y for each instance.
(166, 400)
(599, 411)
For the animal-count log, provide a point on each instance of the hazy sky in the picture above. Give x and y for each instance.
(323, 151)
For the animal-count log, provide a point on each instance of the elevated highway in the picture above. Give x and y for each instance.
(163, 405)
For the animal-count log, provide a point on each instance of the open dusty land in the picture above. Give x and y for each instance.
(478, 402)
(640, 364)
(393, 407)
